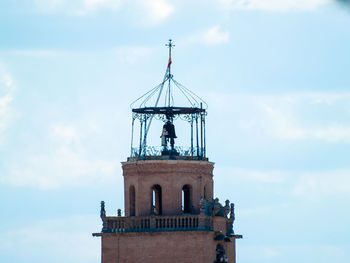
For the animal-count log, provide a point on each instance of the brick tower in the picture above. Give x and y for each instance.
(170, 213)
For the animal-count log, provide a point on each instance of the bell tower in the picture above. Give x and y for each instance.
(170, 212)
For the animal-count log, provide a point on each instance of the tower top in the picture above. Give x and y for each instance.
(169, 94)
(167, 102)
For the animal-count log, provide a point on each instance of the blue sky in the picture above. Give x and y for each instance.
(275, 74)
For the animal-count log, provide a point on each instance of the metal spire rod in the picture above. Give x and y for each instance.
(170, 45)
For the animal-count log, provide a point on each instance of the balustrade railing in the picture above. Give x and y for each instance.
(157, 151)
(157, 223)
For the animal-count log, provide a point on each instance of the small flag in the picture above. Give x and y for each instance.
(169, 63)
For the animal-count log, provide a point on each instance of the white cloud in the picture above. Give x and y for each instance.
(6, 97)
(279, 116)
(211, 36)
(261, 210)
(66, 133)
(77, 7)
(215, 35)
(128, 54)
(69, 239)
(33, 52)
(283, 251)
(273, 5)
(64, 167)
(64, 163)
(150, 11)
(157, 10)
(252, 175)
(318, 185)
(284, 123)
(261, 252)
(311, 185)
(132, 54)
(270, 252)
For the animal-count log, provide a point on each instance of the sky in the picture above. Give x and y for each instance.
(275, 76)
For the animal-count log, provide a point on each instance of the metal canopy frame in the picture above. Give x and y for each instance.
(168, 110)
(193, 112)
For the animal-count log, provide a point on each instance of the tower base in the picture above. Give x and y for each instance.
(166, 247)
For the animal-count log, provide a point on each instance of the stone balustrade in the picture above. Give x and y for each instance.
(157, 223)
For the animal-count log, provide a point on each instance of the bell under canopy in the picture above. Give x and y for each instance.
(173, 105)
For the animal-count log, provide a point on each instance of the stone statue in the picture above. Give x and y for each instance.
(218, 209)
(227, 208)
(232, 212)
(103, 211)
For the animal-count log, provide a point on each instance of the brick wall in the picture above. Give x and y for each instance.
(171, 176)
(163, 247)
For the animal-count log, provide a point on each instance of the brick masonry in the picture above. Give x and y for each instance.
(171, 176)
(178, 246)
(163, 247)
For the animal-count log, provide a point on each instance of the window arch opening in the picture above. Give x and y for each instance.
(156, 206)
(132, 201)
(206, 191)
(186, 199)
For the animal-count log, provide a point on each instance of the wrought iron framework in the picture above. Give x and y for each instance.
(159, 104)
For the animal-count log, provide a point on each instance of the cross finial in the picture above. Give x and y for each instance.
(170, 44)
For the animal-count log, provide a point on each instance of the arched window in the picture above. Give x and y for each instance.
(132, 200)
(186, 199)
(207, 192)
(156, 207)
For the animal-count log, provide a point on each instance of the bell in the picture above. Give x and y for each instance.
(170, 130)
